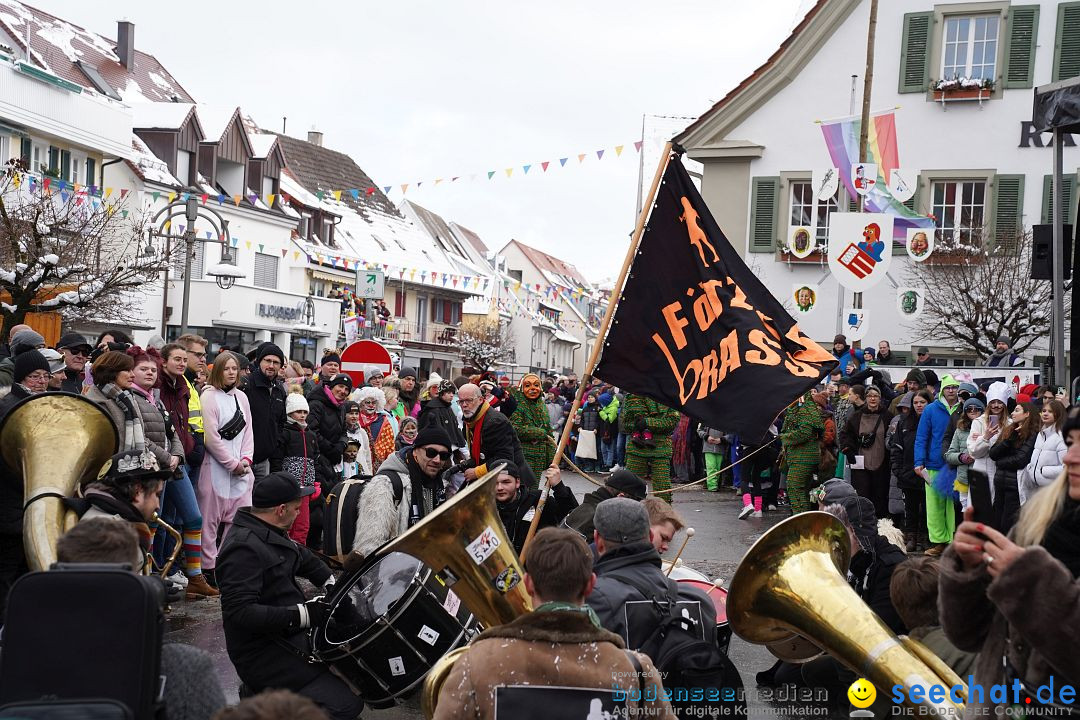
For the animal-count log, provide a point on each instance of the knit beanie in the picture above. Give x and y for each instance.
(406, 372)
(29, 362)
(917, 375)
(295, 402)
(432, 435)
(26, 340)
(269, 348)
(331, 357)
(340, 379)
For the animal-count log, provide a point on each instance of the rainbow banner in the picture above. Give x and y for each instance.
(842, 141)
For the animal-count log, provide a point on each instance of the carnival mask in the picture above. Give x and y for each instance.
(530, 387)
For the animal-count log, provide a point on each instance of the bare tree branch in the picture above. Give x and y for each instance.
(483, 342)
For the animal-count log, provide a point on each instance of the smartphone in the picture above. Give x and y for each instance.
(993, 421)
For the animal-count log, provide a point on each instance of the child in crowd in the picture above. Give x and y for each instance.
(301, 453)
(407, 434)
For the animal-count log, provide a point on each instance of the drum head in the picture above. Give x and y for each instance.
(717, 594)
(373, 591)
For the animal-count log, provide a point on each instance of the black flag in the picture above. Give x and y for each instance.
(696, 330)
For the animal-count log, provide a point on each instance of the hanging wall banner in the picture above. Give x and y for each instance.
(854, 326)
(901, 186)
(801, 241)
(826, 181)
(859, 252)
(920, 244)
(864, 177)
(805, 297)
(909, 302)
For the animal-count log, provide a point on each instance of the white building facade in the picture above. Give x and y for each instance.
(978, 166)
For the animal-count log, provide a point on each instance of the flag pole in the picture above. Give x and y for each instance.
(601, 333)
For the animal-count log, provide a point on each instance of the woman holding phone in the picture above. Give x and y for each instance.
(1015, 599)
(1011, 454)
(985, 431)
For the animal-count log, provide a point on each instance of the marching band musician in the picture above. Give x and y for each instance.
(517, 503)
(263, 610)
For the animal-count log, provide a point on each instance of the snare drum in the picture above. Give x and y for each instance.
(718, 595)
(393, 620)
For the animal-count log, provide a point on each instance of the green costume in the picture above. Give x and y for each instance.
(651, 463)
(801, 439)
(532, 424)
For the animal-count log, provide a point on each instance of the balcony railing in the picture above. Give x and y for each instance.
(402, 331)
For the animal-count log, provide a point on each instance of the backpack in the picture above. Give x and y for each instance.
(340, 517)
(700, 680)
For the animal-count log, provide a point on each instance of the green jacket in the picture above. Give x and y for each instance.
(610, 413)
(659, 419)
(802, 432)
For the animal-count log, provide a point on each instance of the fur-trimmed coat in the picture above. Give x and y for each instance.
(559, 648)
(378, 520)
(1030, 614)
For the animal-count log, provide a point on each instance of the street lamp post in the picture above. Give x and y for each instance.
(224, 273)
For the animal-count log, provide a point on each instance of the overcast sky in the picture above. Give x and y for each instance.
(415, 90)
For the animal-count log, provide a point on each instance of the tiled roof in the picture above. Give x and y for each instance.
(552, 264)
(472, 237)
(58, 46)
(319, 168)
(434, 223)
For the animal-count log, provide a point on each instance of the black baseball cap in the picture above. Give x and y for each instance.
(74, 341)
(628, 483)
(277, 489)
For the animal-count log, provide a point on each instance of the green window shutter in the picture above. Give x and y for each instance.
(1067, 45)
(915, 52)
(65, 164)
(1021, 34)
(25, 148)
(54, 161)
(1008, 216)
(764, 207)
(91, 172)
(1048, 199)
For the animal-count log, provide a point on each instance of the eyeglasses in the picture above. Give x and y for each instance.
(200, 355)
(433, 453)
(78, 353)
(37, 376)
(974, 410)
(469, 400)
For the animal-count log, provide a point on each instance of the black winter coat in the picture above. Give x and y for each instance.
(327, 422)
(256, 573)
(267, 400)
(498, 441)
(300, 452)
(513, 513)
(871, 578)
(1011, 456)
(11, 482)
(902, 454)
(436, 413)
(581, 519)
(72, 382)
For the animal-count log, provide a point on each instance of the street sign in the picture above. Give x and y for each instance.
(370, 284)
(362, 357)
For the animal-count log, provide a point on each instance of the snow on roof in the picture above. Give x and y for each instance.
(552, 264)
(261, 144)
(57, 46)
(160, 115)
(215, 120)
(148, 166)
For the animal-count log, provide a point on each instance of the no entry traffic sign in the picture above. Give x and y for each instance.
(362, 357)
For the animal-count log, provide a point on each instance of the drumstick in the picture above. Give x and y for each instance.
(717, 585)
(689, 534)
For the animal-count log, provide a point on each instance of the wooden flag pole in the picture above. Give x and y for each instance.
(601, 334)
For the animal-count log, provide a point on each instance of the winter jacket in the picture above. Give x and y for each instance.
(378, 520)
(853, 428)
(581, 518)
(152, 421)
(256, 573)
(639, 563)
(498, 441)
(158, 428)
(589, 417)
(932, 426)
(11, 482)
(956, 448)
(1029, 615)
(267, 400)
(327, 422)
(300, 452)
(871, 576)
(719, 447)
(1012, 457)
(902, 454)
(439, 414)
(978, 446)
(1047, 462)
(517, 513)
(72, 382)
(175, 396)
(547, 649)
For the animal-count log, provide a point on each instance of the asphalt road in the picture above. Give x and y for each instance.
(719, 543)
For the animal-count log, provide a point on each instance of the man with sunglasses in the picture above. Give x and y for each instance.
(406, 488)
(76, 351)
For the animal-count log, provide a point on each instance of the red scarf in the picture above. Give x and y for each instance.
(475, 427)
(367, 420)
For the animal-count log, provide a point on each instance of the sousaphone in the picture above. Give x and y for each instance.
(54, 442)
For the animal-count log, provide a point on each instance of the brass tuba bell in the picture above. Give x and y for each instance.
(793, 581)
(464, 542)
(54, 441)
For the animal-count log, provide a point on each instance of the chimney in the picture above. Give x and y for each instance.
(125, 43)
(314, 137)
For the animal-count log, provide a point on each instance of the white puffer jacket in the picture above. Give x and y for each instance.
(977, 445)
(1047, 462)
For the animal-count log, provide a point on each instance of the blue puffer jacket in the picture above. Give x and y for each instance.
(932, 426)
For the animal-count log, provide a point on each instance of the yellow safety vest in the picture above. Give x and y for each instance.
(194, 409)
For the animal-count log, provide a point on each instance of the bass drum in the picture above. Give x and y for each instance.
(391, 622)
(719, 597)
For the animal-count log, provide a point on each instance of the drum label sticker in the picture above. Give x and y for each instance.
(452, 603)
(507, 579)
(482, 547)
(397, 666)
(428, 635)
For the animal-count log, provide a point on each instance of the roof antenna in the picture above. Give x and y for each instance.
(283, 119)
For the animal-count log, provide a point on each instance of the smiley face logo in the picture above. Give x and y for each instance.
(862, 693)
